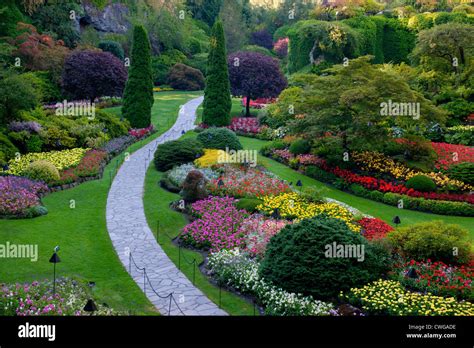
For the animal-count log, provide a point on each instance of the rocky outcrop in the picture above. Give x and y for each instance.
(111, 19)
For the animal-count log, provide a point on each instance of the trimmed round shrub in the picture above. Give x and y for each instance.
(433, 240)
(113, 47)
(300, 147)
(262, 38)
(194, 187)
(462, 171)
(248, 204)
(219, 138)
(421, 183)
(93, 74)
(43, 171)
(177, 152)
(185, 78)
(299, 259)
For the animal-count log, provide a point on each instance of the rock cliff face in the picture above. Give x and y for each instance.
(111, 19)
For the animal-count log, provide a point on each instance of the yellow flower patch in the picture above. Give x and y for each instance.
(293, 206)
(210, 158)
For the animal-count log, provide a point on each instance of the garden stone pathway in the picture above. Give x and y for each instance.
(129, 231)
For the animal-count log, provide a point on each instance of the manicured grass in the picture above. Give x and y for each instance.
(237, 110)
(376, 209)
(86, 250)
(156, 202)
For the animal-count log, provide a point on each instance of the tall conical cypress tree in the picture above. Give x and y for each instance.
(138, 95)
(217, 101)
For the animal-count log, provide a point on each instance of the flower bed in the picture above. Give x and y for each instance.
(389, 297)
(293, 206)
(18, 195)
(141, 133)
(89, 166)
(60, 159)
(245, 125)
(178, 174)
(117, 145)
(259, 103)
(217, 226)
(373, 228)
(258, 231)
(233, 269)
(437, 278)
(209, 159)
(250, 183)
(37, 299)
(449, 154)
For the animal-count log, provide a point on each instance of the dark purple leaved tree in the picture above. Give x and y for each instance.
(255, 75)
(262, 38)
(93, 74)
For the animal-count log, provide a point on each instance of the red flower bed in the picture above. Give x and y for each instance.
(451, 154)
(374, 228)
(438, 278)
(88, 166)
(141, 133)
(245, 125)
(259, 103)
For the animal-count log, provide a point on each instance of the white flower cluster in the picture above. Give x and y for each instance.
(178, 174)
(235, 269)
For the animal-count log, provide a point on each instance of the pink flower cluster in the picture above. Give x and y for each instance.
(451, 154)
(259, 103)
(258, 231)
(217, 226)
(245, 125)
(17, 194)
(250, 183)
(307, 160)
(284, 154)
(141, 133)
(281, 47)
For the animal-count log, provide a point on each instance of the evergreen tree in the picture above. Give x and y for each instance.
(138, 95)
(217, 101)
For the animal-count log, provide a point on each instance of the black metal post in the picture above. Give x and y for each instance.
(169, 309)
(179, 257)
(220, 295)
(194, 272)
(54, 281)
(158, 230)
(130, 262)
(144, 280)
(253, 307)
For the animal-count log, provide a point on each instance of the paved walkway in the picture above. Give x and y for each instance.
(129, 230)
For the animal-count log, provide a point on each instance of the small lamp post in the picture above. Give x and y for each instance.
(220, 183)
(396, 220)
(412, 273)
(276, 214)
(299, 183)
(54, 260)
(90, 307)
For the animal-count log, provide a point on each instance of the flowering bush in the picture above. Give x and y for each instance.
(178, 174)
(217, 226)
(245, 125)
(89, 166)
(117, 145)
(210, 158)
(281, 47)
(28, 126)
(437, 278)
(250, 183)
(389, 297)
(37, 299)
(141, 133)
(449, 154)
(19, 194)
(232, 268)
(373, 228)
(284, 154)
(258, 231)
(60, 159)
(294, 206)
(308, 160)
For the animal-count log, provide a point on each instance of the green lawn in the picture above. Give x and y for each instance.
(86, 250)
(376, 209)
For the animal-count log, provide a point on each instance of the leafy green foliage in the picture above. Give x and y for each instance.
(183, 77)
(113, 47)
(296, 259)
(248, 204)
(300, 147)
(7, 149)
(17, 93)
(433, 240)
(162, 64)
(219, 138)
(43, 171)
(177, 152)
(217, 101)
(463, 172)
(138, 95)
(421, 183)
(10, 15)
(42, 82)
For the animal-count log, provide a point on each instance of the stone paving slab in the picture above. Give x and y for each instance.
(129, 230)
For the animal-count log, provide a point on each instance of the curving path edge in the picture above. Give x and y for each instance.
(129, 230)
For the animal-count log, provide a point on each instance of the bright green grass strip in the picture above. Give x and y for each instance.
(86, 250)
(376, 209)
